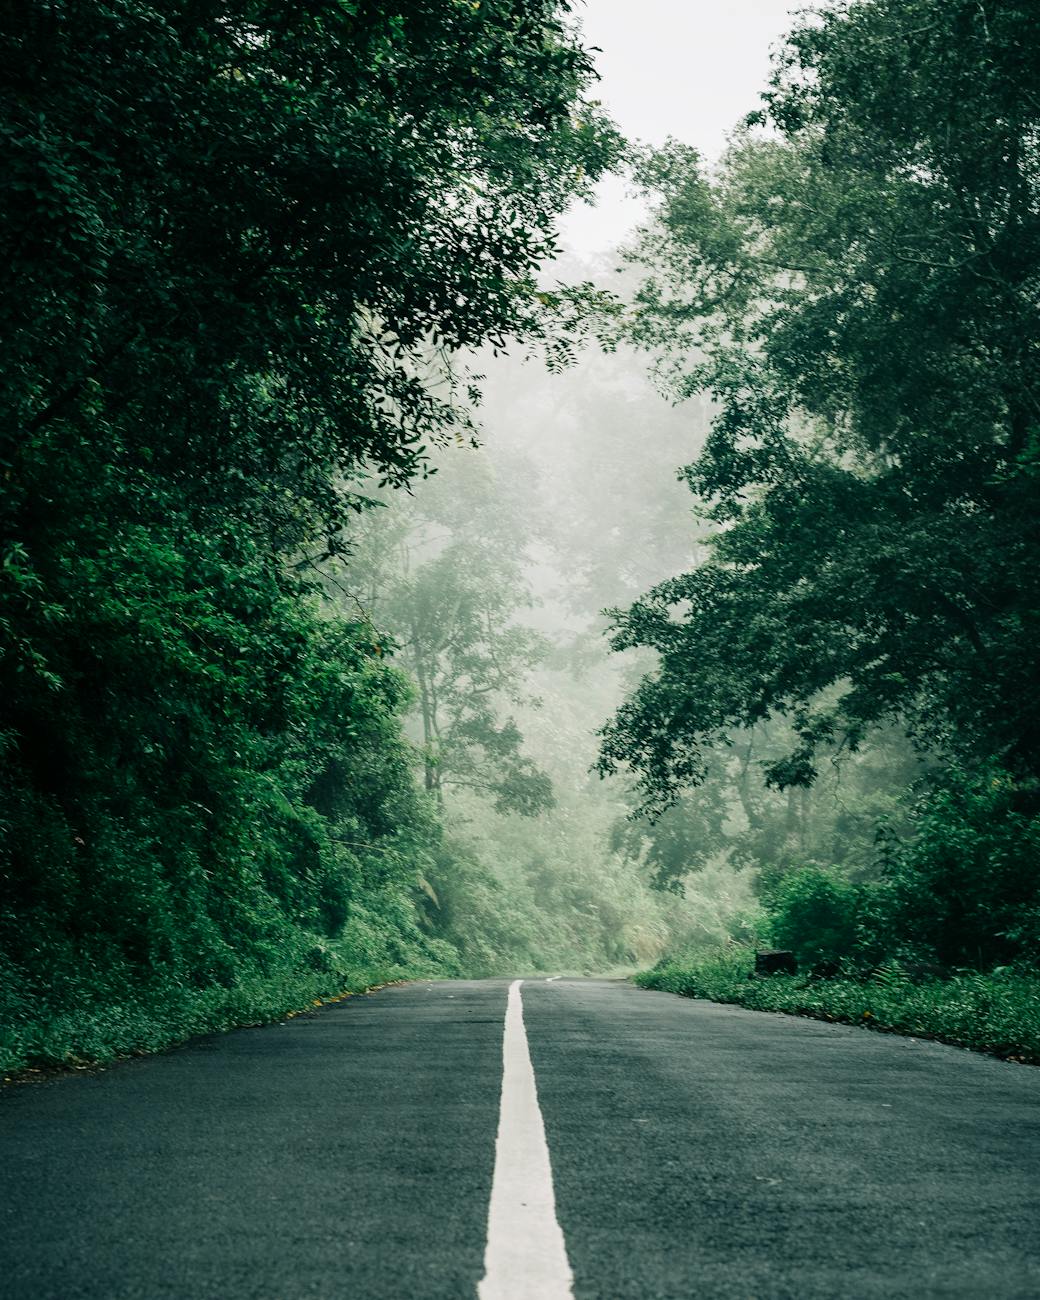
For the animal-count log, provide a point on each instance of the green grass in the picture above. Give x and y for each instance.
(998, 1013)
(96, 1016)
(101, 1032)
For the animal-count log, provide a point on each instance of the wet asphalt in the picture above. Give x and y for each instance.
(697, 1150)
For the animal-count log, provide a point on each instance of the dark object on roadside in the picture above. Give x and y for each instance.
(777, 962)
(826, 970)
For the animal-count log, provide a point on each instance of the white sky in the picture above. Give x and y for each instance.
(688, 68)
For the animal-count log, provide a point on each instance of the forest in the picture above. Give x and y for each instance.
(386, 593)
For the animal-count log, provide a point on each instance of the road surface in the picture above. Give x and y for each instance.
(650, 1146)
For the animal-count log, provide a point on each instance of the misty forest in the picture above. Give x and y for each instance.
(388, 593)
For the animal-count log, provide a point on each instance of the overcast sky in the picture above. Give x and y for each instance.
(688, 68)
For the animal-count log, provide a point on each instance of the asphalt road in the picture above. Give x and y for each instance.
(696, 1151)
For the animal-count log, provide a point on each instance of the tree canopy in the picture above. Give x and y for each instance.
(857, 289)
(244, 247)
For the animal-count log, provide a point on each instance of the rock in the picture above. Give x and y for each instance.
(777, 962)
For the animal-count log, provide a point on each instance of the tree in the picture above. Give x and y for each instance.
(445, 581)
(243, 248)
(243, 244)
(861, 286)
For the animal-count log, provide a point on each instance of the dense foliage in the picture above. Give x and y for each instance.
(997, 1012)
(857, 290)
(270, 726)
(242, 245)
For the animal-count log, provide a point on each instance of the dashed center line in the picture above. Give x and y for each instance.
(526, 1257)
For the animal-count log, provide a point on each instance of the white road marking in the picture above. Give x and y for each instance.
(526, 1258)
(551, 978)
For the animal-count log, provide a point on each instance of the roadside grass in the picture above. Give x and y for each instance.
(997, 1013)
(97, 1016)
(98, 1034)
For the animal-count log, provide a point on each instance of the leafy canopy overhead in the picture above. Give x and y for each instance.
(264, 229)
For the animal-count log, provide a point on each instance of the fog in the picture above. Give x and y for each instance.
(494, 578)
(427, 558)
(691, 71)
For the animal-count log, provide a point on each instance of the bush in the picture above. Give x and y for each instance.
(195, 805)
(814, 913)
(997, 1012)
(965, 891)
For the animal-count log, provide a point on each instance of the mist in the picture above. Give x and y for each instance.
(520, 649)
(565, 509)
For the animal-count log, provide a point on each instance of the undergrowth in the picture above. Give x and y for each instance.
(102, 1017)
(998, 1012)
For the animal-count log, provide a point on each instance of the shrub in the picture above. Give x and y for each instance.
(997, 1012)
(965, 890)
(814, 912)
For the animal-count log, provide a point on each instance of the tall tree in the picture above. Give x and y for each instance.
(445, 579)
(861, 283)
(242, 243)
(243, 246)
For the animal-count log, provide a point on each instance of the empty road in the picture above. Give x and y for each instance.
(650, 1146)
